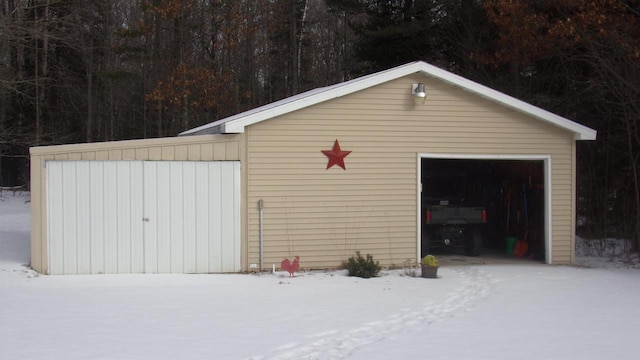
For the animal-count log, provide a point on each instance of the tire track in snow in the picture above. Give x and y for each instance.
(475, 286)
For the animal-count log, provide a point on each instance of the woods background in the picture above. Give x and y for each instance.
(81, 71)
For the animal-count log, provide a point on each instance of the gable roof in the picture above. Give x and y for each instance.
(237, 123)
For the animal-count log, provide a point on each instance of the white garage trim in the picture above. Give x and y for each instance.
(143, 216)
(238, 122)
(547, 189)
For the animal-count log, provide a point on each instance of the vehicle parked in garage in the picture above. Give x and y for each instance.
(451, 218)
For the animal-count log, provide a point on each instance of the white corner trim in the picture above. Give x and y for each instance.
(419, 207)
(548, 213)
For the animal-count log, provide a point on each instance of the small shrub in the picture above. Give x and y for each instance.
(410, 268)
(363, 267)
(429, 260)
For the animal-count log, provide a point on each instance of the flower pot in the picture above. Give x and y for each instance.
(430, 272)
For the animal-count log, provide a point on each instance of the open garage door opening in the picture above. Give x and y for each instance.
(479, 206)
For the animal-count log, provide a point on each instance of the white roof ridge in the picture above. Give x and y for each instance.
(237, 123)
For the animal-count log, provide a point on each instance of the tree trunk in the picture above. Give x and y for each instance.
(89, 134)
(185, 113)
(159, 121)
(292, 86)
(633, 162)
(38, 109)
(112, 113)
(300, 37)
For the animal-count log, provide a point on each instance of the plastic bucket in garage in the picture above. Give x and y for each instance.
(511, 244)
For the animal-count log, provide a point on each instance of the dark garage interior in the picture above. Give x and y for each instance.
(495, 204)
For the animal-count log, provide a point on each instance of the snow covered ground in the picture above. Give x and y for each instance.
(521, 310)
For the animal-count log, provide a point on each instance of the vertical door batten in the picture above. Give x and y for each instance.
(150, 218)
(203, 232)
(83, 206)
(96, 219)
(189, 216)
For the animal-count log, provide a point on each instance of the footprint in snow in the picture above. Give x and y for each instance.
(476, 285)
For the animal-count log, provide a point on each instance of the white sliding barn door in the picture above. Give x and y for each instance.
(143, 217)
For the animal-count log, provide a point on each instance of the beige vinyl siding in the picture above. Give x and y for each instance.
(324, 216)
(193, 148)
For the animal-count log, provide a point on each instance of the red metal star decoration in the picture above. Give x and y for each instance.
(336, 156)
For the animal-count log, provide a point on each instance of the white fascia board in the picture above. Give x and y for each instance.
(237, 123)
(200, 130)
(581, 132)
(330, 92)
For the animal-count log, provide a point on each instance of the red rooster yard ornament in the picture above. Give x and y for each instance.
(290, 267)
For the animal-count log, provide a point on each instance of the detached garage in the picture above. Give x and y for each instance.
(319, 175)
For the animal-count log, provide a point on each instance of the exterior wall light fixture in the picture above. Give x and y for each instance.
(418, 90)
